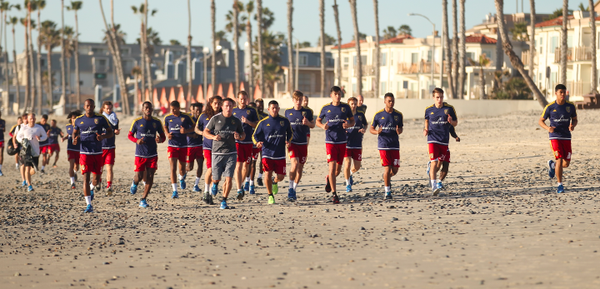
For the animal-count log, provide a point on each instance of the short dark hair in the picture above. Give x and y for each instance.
(229, 100)
(560, 86)
(147, 102)
(45, 116)
(335, 89)
(438, 90)
(273, 102)
(175, 103)
(259, 100)
(389, 94)
(74, 113)
(106, 103)
(198, 105)
(242, 92)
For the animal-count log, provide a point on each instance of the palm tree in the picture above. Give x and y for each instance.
(259, 23)
(377, 53)
(563, 44)
(76, 6)
(322, 44)
(24, 22)
(149, 48)
(249, 9)
(448, 51)
(40, 4)
(455, 62)
(463, 52)
(141, 12)
(338, 68)
(136, 72)
(4, 8)
(63, 71)
(290, 14)
(13, 21)
(514, 59)
(593, 24)
(234, 27)
(213, 71)
(69, 51)
(32, 6)
(189, 55)
(50, 38)
(532, 39)
(484, 61)
(358, 67)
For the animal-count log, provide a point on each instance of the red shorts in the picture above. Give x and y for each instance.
(561, 148)
(194, 153)
(141, 164)
(298, 151)
(390, 158)
(244, 152)
(335, 152)
(178, 153)
(72, 155)
(277, 166)
(355, 154)
(255, 153)
(91, 164)
(208, 158)
(1, 144)
(108, 157)
(45, 149)
(439, 152)
(53, 148)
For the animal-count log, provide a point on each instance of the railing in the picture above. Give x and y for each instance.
(525, 57)
(578, 88)
(579, 53)
(419, 67)
(367, 70)
(407, 94)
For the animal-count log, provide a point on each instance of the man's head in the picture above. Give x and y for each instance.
(297, 98)
(360, 100)
(19, 120)
(242, 99)
(389, 100)
(53, 123)
(305, 101)
(147, 109)
(353, 103)
(44, 119)
(227, 107)
(24, 118)
(438, 96)
(560, 91)
(107, 107)
(175, 108)
(31, 119)
(273, 108)
(336, 94)
(196, 109)
(215, 103)
(89, 105)
(260, 104)
(73, 115)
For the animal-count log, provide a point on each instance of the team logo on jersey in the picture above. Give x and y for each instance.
(343, 109)
(141, 125)
(554, 110)
(445, 111)
(383, 117)
(432, 112)
(395, 117)
(247, 111)
(359, 117)
(232, 121)
(292, 113)
(96, 121)
(568, 109)
(281, 123)
(182, 119)
(328, 110)
(170, 120)
(153, 125)
(304, 113)
(268, 124)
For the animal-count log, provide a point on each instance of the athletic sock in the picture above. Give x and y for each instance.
(295, 185)
(0, 167)
(438, 181)
(91, 185)
(260, 175)
(433, 184)
(247, 179)
(224, 199)
(560, 184)
(43, 167)
(197, 181)
(108, 184)
(387, 189)
(88, 200)
(251, 183)
(72, 180)
(206, 187)
(291, 184)
(174, 187)
(133, 183)
(553, 165)
(179, 177)
(347, 182)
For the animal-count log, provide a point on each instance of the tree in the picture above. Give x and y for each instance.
(213, 59)
(31, 6)
(514, 59)
(563, 43)
(13, 21)
(358, 67)
(594, 81)
(40, 4)
(271, 58)
(329, 40)
(484, 61)
(25, 22)
(261, 31)
(290, 14)
(249, 9)
(463, 52)
(174, 42)
(448, 51)
(405, 29)
(532, 39)
(322, 44)
(338, 67)
(4, 8)
(389, 32)
(304, 44)
(76, 6)
(234, 27)
(519, 31)
(50, 38)
(582, 7)
(189, 56)
(136, 72)
(557, 13)
(63, 73)
(455, 62)
(377, 53)
(69, 51)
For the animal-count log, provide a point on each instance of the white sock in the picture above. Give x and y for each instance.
(433, 184)
(143, 182)
(295, 185)
(247, 179)
(260, 175)
(43, 167)
(553, 165)
(347, 182)
(439, 181)
(88, 200)
(387, 189)
(206, 187)
(174, 187)
(72, 180)
(197, 181)
(0, 167)
(91, 186)
(179, 177)
(292, 184)
(560, 184)
(251, 183)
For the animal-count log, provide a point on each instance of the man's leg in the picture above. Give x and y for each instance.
(238, 174)
(28, 175)
(182, 171)
(149, 181)
(109, 176)
(226, 187)
(560, 164)
(86, 187)
(1, 157)
(347, 165)
(22, 171)
(435, 167)
(246, 173)
(444, 170)
(173, 166)
(56, 158)
(333, 172)
(387, 177)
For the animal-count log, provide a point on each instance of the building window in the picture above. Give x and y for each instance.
(304, 82)
(303, 60)
(471, 55)
(414, 57)
(383, 87)
(383, 61)
(354, 87)
(553, 44)
(346, 62)
(100, 64)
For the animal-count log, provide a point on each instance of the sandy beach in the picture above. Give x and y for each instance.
(500, 225)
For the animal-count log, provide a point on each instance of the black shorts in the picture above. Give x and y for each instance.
(33, 163)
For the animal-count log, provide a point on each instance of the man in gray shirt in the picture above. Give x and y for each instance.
(224, 129)
(35, 133)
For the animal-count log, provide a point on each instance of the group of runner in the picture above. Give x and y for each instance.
(230, 135)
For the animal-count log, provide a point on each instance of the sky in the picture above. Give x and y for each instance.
(171, 20)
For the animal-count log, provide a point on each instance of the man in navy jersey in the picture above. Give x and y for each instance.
(194, 141)
(563, 119)
(213, 107)
(87, 134)
(438, 119)
(72, 150)
(53, 147)
(387, 125)
(260, 107)
(335, 118)
(301, 120)
(44, 147)
(249, 118)
(2, 129)
(360, 107)
(355, 133)
(108, 145)
(272, 135)
(146, 132)
(177, 125)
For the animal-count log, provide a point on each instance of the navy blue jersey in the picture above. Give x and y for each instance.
(88, 128)
(201, 125)
(355, 138)
(109, 143)
(46, 129)
(273, 132)
(560, 118)
(335, 116)
(194, 139)
(300, 131)
(174, 124)
(388, 138)
(439, 128)
(251, 114)
(53, 135)
(147, 130)
(70, 145)
(362, 108)
(2, 129)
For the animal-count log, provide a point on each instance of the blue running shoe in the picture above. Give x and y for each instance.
(175, 195)
(440, 186)
(182, 184)
(24, 183)
(1, 174)
(30, 188)
(428, 167)
(92, 194)
(560, 189)
(89, 209)
(436, 191)
(551, 171)
(240, 195)
(252, 191)
(214, 189)
(348, 188)
(143, 204)
(133, 189)
(388, 196)
(224, 205)
(196, 188)
(246, 186)
(291, 195)
(351, 181)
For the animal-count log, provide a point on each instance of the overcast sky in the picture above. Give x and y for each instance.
(171, 20)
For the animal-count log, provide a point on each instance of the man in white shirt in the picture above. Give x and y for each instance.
(34, 133)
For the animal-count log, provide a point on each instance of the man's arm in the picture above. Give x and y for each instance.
(542, 123)
(426, 128)
(573, 123)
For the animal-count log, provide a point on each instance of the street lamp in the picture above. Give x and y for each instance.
(432, 50)
(205, 50)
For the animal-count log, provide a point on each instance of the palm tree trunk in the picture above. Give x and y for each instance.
(148, 56)
(250, 51)
(213, 59)
(189, 53)
(514, 59)
(27, 71)
(563, 44)
(358, 67)
(76, 48)
(143, 56)
(339, 43)
(448, 54)
(16, 76)
(50, 98)
(532, 40)
(463, 52)
(5, 52)
(261, 72)
(322, 44)
(377, 53)
(455, 62)
(482, 82)
(290, 14)
(594, 81)
(236, 49)
(39, 67)
(62, 56)
(32, 73)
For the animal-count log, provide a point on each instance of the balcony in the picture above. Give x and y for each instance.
(367, 70)
(578, 88)
(419, 67)
(525, 58)
(579, 53)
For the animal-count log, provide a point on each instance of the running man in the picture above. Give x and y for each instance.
(249, 118)
(13, 133)
(35, 133)
(438, 119)
(272, 135)
(355, 133)
(53, 147)
(2, 129)
(302, 120)
(146, 132)
(213, 107)
(177, 125)
(72, 150)
(360, 107)
(194, 141)
(445, 165)
(260, 108)
(305, 105)
(44, 147)
(338, 117)
(563, 119)
(224, 129)
(387, 125)
(24, 123)
(108, 144)
(87, 133)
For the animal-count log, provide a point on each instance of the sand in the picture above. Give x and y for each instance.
(501, 224)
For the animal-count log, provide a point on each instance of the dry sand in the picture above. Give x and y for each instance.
(502, 224)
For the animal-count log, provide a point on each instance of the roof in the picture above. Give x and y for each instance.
(480, 38)
(349, 44)
(553, 22)
(397, 39)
